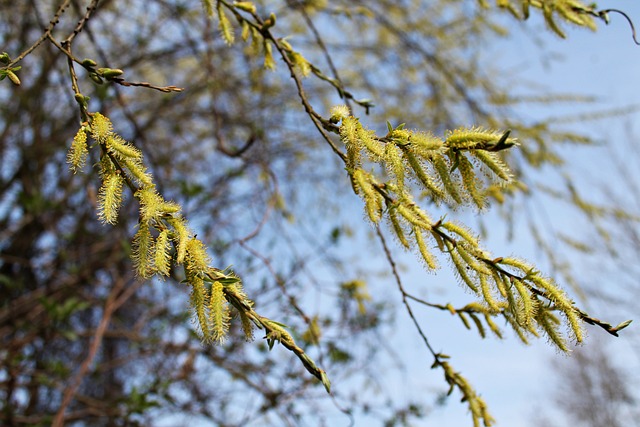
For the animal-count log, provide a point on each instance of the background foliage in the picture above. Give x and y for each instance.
(260, 186)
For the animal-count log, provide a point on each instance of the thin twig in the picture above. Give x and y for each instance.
(47, 33)
(114, 301)
(321, 124)
(405, 295)
(83, 21)
(166, 89)
(603, 13)
(323, 47)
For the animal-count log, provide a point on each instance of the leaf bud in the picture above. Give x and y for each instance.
(109, 73)
(269, 22)
(82, 100)
(96, 78)
(12, 76)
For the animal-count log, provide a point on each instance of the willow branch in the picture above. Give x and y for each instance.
(47, 33)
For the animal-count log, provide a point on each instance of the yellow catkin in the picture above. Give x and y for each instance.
(394, 164)
(554, 293)
(162, 253)
(301, 63)
(101, 127)
(470, 181)
(150, 204)
(170, 207)
(450, 186)
(269, 62)
(121, 148)
(197, 260)
(409, 214)
(256, 41)
(348, 135)
(549, 324)
(515, 307)
(487, 293)
(141, 252)
(575, 323)
(199, 298)
(338, 113)
(522, 333)
(247, 326)
(465, 321)
(397, 227)
(470, 138)
(478, 324)
(375, 149)
(110, 198)
(226, 30)
(78, 152)
(246, 31)
(501, 284)
(528, 306)
(106, 166)
(373, 200)
(138, 171)
(472, 261)
(492, 325)
(461, 268)
(521, 265)
(427, 256)
(425, 144)
(493, 162)
(247, 6)
(374, 206)
(429, 183)
(463, 232)
(181, 237)
(218, 313)
(208, 7)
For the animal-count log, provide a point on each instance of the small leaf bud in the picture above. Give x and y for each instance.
(96, 78)
(89, 63)
(109, 73)
(12, 76)
(269, 22)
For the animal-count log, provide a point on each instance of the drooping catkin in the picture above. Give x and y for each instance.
(181, 237)
(226, 30)
(197, 260)
(110, 198)
(101, 128)
(78, 151)
(162, 253)
(199, 297)
(218, 313)
(493, 162)
(121, 148)
(142, 251)
(426, 254)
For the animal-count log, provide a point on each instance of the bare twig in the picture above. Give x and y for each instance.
(115, 299)
(165, 89)
(83, 21)
(603, 13)
(47, 33)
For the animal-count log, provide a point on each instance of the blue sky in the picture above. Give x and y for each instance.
(513, 378)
